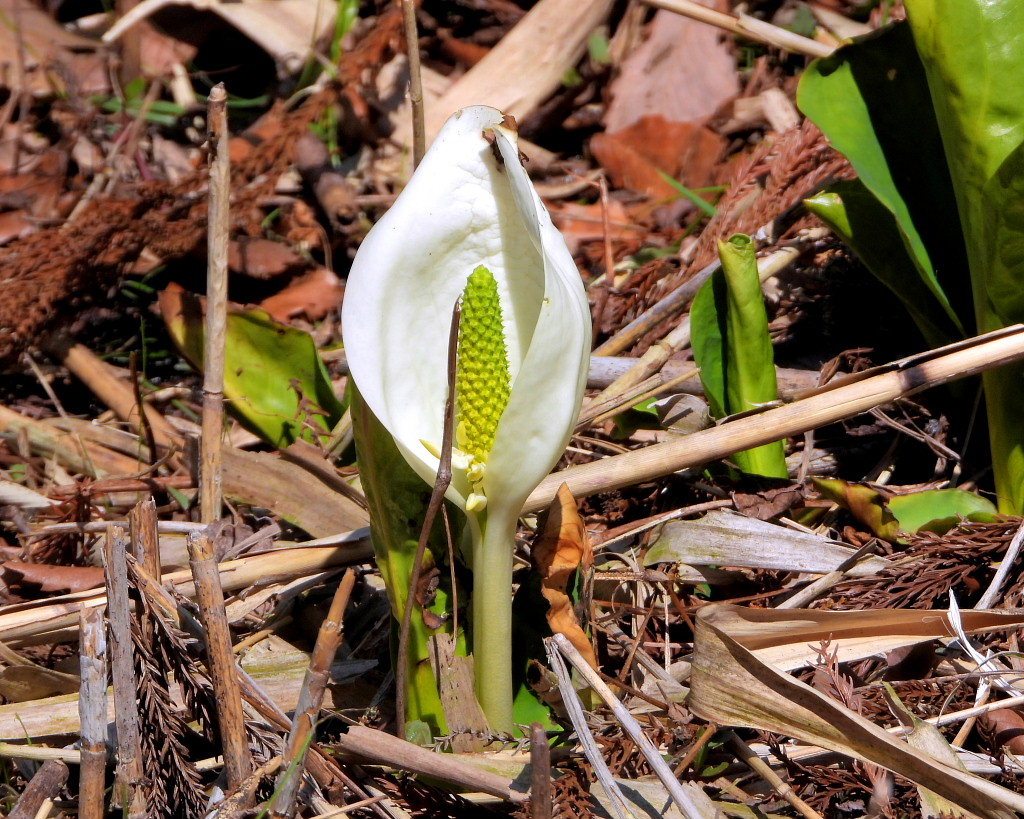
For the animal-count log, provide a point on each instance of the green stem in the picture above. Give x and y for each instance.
(492, 620)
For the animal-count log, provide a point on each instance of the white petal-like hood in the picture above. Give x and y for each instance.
(462, 208)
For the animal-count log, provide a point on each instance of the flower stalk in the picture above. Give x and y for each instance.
(470, 229)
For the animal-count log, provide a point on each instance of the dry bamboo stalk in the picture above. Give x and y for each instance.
(379, 747)
(310, 699)
(762, 768)
(527, 64)
(128, 775)
(842, 399)
(412, 49)
(92, 709)
(95, 373)
(680, 795)
(745, 26)
(46, 784)
(220, 660)
(142, 527)
(60, 612)
(540, 773)
(323, 768)
(215, 333)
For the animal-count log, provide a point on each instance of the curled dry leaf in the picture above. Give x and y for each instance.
(562, 548)
(313, 295)
(1007, 728)
(41, 577)
(734, 682)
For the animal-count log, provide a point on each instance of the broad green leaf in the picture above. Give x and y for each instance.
(870, 230)
(939, 510)
(733, 349)
(275, 383)
(397, 499)
(973, 54)
(871, 100)
(935, 510)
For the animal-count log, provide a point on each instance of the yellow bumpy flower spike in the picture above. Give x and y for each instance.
(481, 381)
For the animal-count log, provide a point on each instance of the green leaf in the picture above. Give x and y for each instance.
(972, 54)
(939, 510)
(871, 100)
(733, 349)
(397, 499)
(692, 195)
(275, 383)
(870, 230)
(934, 510)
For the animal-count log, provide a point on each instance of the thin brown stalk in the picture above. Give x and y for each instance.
(412, 46)
(92, 710)
(45, 785)
(214, 337)
(220, 659)
(147, 429)
(128, 774)
(310, 699)
(680, 795)
(441, 483)
(764, 770)
(142, 526)
(540, 773)
(841, 399)
(749, 28)
(379, 747)
(130, 45)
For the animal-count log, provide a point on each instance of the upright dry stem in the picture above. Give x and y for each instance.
(216, 307)
(92, 709)
(127, 792)
(220, 659)
(412, 44)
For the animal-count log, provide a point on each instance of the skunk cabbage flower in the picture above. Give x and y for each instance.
(470, 229)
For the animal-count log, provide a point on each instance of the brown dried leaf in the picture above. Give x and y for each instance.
(734, 683)
(24, 683)
(47, 578)
(1007, 726)
(683, 71)
(313, 295)
(562, 548)
(683, 150)
(262, 258)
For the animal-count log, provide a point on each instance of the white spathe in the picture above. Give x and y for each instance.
(462, 208)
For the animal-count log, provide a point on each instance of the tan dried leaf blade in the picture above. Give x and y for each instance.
(562, 548)
(734, 683)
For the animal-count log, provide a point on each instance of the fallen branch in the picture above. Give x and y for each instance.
(842, 399)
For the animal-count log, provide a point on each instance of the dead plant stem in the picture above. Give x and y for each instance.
(840, 399)
(215, 335)
(128, 776)
(92, 710)
(412, 45)
(220, 659)
(310, 699)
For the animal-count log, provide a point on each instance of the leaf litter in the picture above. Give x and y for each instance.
(103, 208)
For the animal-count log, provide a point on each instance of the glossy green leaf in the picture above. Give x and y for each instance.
(733, 349)
(935, 510)
(871, 100)
(939, 510)
(870, 230)
(275, 383)
(973, 54)
(397, 499)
